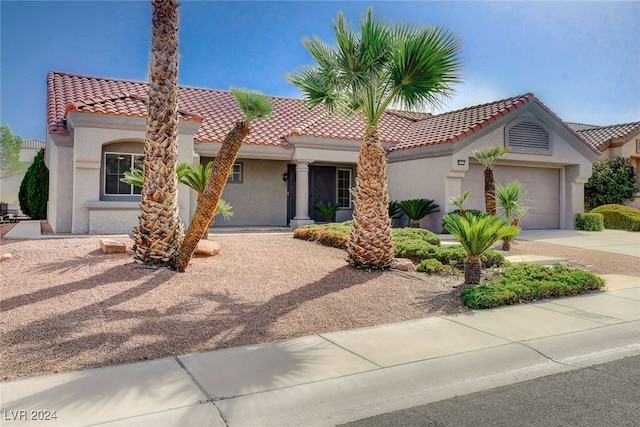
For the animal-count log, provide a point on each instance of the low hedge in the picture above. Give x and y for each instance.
(589, 222)
(414, 243)
(531, 282)
(619, 217)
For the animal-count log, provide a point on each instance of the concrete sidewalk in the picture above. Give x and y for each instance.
(334, 378)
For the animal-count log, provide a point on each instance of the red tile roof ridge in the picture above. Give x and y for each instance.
(597, 127)
(520, 98)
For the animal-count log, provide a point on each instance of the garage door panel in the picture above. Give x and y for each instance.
(541, 187)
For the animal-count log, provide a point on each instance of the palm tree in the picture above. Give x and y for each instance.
(460, 201)
(487, 157)
(367, 72)
(158, 236)
(253, 106)
(510, 202)
(476, 235)
(416, 209)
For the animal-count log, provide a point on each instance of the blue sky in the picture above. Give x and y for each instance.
(582, 59)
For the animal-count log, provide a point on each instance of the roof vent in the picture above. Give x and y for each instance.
(527, 136)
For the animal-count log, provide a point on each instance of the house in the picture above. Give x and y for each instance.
(10, 186)
(622, 140)
(299, 156)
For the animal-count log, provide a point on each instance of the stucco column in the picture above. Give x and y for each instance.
(302, 195)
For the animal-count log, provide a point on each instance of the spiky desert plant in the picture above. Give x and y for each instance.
(416, 209)
(253, 105)
(326, 210)
(159, 234)
(488, 157)
(511, 206)
(460, 201)
(476, 235)
(364, 74)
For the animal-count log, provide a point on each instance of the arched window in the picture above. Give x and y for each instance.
(528, 135)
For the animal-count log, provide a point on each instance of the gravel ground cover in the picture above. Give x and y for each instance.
(64, 305)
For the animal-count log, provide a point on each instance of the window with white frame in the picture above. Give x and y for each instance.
(344, 183)
(236, 174)
(115, 165)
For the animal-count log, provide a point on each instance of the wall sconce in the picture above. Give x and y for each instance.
(461, 162)
(285, 177)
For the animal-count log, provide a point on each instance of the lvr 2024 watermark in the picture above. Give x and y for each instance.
(28, 415)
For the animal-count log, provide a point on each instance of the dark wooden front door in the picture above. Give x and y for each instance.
(322, 188)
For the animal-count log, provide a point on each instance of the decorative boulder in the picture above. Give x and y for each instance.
(207, 247)
(5, 257)
(110, 246)
(403, 264)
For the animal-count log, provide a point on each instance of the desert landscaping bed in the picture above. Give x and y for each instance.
(65, 305)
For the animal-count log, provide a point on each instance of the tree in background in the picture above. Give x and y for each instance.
(253, 105)
(34, 188)
(416, 209)
(613, 181)
(10, 147)
(366, 73)
(158, 236)
(488, 157)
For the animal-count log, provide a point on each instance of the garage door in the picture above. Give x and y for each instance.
(542, 192)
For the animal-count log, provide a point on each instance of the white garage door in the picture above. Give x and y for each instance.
(542, 192)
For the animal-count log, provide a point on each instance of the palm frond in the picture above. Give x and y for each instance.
(488, 156)
(254, 105)
(460, 200)
(417, 209)
(134, 177)
(510, 200)
(477, 234)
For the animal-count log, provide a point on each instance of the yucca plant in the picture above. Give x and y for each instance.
(510, 203)
(416, 209)
(488, 157)
(460, 201)
(477, 235)
(253, 105)
(326, 210)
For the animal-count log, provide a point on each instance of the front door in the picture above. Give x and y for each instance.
(322, 188)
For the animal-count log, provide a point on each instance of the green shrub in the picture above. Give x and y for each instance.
(475, 212)
(589, 222)
(613, 181)
(433, 266)
(419, 234)
(619, 217)
(334, 234)
(34, 189)
(326, 211)
(530, 282)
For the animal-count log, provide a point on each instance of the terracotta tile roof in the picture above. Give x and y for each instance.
(456, 125)
(218, 112)
(580, 126)
(602, 136)
(32, 144)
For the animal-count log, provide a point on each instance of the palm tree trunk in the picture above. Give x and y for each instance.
(506, 244)
(158, 236)
(472, 270)
(206, 208)
(370, 243)
(489, 191)
(415, 223)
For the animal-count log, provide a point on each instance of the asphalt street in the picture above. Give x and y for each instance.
(599, 395)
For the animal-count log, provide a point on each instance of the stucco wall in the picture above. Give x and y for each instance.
(261, 198)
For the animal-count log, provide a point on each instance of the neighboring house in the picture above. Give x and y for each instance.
(299, 156)
(621, 140)
(10, 186)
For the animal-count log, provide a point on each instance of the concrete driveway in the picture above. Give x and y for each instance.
(613, 241)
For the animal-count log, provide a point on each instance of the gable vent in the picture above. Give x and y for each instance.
(527, 136)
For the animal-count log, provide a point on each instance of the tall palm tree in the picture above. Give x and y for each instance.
(511, 206)
(253, 106)
(488, 157)
(382, 65)
(476, 235)
(158, 236)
